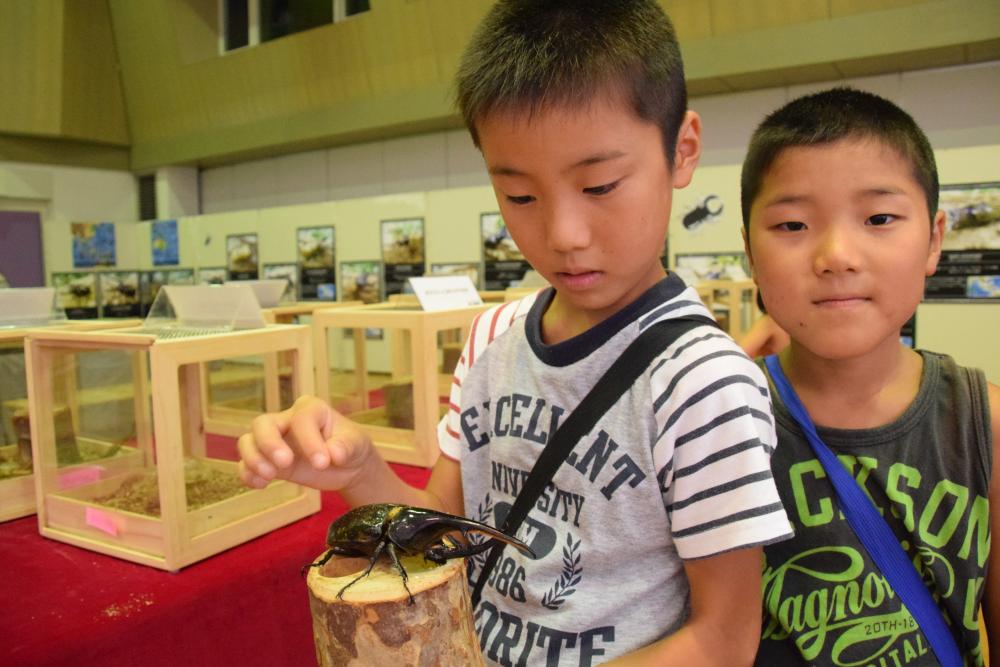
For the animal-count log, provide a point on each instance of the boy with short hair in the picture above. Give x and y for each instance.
(648, 538)
(839, 195)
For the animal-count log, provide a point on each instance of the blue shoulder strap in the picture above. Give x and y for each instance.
(873, 532)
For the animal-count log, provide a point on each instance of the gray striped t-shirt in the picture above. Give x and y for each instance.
(679, 468)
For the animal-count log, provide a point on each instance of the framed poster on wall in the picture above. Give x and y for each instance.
(470, 269)
(360, 281)
(77, 294)
(120, 295)
(503, 263)
(402, 252)
(317, 262)
(93, 244)
(211, 275)
(180, 277)
(164, 243)
(287, 272)
(969, 268)
(241, 256)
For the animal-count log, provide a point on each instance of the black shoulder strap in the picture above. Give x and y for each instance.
(602, 396)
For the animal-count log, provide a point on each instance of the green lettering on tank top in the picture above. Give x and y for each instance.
(796, 473)
(978, 524)
(899, 472)
(943, 490)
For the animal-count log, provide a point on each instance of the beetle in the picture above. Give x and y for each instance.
(370, 530)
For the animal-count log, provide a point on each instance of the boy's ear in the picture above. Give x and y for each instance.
(688, 149)
(937, 238)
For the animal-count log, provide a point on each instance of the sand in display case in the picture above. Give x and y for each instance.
(22, 309)
(389, 366)
(174, 498)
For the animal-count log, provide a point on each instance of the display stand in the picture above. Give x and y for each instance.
(732, 302)
(22, 309)
(375, 624)
(175, 502)
(232, 417)
(403, 428)
(240, 384)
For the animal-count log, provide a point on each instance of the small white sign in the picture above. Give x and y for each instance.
(26, 306)
(445, 292)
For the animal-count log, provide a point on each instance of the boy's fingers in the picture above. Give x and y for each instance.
(251, 460)
(249, 478)
(267, 439)
(344, 444)
(309, 427)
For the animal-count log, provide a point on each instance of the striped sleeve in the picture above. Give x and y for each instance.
(715, 437)
(485, 329)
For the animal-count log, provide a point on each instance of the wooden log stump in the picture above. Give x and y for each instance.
(375, 624)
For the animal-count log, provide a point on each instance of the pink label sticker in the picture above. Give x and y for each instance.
(102, 521)
(80, 475)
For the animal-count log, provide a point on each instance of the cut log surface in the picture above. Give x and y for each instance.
(374, 623)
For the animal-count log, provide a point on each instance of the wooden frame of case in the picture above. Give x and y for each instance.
(416, 446)
(234, 421)
(17, 494)
(734, 301)
(177, 537)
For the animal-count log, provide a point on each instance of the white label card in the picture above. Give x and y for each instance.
(445, 292)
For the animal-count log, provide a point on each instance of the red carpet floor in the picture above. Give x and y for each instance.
(62, 605)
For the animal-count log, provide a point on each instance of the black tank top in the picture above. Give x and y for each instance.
(825, 603)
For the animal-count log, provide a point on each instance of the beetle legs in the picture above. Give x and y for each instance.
(371, 563)
(320, 563)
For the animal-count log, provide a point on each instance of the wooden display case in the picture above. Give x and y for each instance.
(17, 481)
(176, 501)
(733, 302)
(400, 407)
(267, 381)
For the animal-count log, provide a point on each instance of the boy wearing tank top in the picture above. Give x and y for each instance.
(839, 196)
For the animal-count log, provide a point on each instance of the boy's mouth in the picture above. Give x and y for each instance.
(578, 279)
(841, 301)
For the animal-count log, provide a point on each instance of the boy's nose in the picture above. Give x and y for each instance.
(836, 252)
(565, 229)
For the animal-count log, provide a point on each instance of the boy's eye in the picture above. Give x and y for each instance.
(792, 226)
(601, 189)
(520, 199)
(881, 219)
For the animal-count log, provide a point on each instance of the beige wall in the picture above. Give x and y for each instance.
(388, 72)
(440, 177)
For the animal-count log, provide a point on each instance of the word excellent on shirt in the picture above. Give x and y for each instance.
(522, 416)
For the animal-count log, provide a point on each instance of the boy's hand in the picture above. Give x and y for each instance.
(310, 443)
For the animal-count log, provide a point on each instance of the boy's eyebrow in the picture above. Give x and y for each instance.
(502, 170)
(869, 192)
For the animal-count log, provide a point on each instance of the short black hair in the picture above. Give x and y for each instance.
(530, 54)
(829, 116)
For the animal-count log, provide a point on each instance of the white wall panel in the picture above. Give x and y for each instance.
(355, 171)
(416, 163)
(465, 166)
(729, 120)
(255, 184)
(217, 189)
(301, 178)
(957, 106)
